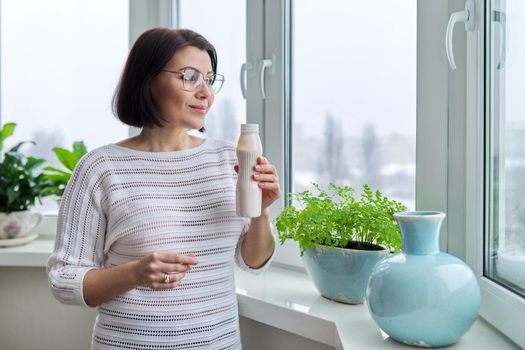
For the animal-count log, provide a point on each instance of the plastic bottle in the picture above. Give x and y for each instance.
(248, 193)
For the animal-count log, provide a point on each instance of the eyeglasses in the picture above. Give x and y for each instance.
(192, 79)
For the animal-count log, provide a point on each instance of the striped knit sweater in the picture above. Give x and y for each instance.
(122, 204)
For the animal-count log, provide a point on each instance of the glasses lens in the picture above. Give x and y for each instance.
(217, 82)
(191, 79)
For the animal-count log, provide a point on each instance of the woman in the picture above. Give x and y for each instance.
(147, 230)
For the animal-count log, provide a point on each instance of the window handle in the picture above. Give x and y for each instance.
(263, 64)
(244, 69)
(501, 18)
(467, 16)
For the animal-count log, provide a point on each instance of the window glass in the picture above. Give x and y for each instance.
(223, 23)
(354, 95)
(60, 63)
(505, 145)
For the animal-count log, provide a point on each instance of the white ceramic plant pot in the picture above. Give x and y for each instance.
(18, 224)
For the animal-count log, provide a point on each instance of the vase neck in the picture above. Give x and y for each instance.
(420, 231)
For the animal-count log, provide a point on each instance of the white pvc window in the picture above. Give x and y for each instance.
(504, 260)
(60, 63)
(495, 185)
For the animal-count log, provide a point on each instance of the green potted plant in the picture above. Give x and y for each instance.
(58, 178)
(341, 237)
(21, 183)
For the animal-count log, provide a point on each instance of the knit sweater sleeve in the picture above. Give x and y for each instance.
(238, 253)
(81, 231)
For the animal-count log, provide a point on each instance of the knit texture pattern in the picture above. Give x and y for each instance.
(121, 205)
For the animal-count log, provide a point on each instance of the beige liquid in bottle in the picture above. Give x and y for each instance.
(248, 193)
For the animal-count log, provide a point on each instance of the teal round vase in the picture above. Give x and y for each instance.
(422, 296)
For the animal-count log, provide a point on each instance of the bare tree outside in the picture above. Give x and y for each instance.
(331, 161)
(371, 157)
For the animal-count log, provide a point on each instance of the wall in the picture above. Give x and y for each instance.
(258, 336)
(31, 319)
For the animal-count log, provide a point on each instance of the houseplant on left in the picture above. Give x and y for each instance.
(21, 183)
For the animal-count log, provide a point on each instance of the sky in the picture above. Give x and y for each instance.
(61, 61)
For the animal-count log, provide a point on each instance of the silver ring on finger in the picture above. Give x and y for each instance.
(167, 278)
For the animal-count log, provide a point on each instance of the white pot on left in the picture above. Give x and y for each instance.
(18, 224)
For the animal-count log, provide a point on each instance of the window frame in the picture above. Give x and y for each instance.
(501, 307)
(269, 37)
(432, 122)
(144, 15)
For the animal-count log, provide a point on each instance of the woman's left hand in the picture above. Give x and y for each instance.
(268, 180)
(266, 176)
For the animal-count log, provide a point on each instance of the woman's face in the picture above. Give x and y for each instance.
(182, 108)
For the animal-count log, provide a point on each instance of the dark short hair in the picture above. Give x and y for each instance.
(132, 102)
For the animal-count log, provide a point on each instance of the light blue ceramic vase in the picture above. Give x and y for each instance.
(422, 296)
(341, 274)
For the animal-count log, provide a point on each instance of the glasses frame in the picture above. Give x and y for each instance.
(208, 80)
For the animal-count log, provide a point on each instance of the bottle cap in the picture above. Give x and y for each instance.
(249, 128)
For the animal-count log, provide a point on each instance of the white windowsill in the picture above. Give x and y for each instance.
(33, 254)
(288, 300)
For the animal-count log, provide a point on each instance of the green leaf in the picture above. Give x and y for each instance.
(63, 178)
(56, 179)
(79, 149)
(7, 130)
(51, 171)
(16, 147)
(11, 196)
(33, 162)
(67, 158)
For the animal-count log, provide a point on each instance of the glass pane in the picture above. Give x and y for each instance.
(505, 257)
(354, 95)
(60, 63)
(223, 23)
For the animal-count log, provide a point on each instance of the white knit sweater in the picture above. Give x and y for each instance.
(121, 205)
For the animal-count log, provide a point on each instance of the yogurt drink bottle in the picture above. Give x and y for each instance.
(248, 193)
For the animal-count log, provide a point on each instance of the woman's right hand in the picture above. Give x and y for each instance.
(101, 285)
(151, 270)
